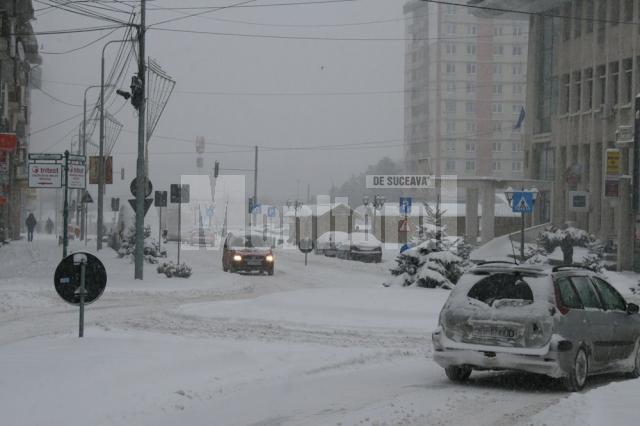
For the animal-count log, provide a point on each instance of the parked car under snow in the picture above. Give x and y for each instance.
(360, 246)
(326, 243)
(565, 323)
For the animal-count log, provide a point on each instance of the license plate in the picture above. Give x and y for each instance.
(494, 332)
(254, 262)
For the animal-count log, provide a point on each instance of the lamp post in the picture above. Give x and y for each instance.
(296, 205)
(509, 193)
(101, 180)
(378, 202)
(365, 202)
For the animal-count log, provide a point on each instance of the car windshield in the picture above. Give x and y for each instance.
(274, 204)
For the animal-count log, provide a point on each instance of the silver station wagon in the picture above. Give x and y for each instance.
(566, 322)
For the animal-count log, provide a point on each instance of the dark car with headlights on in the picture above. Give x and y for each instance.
(249, 253)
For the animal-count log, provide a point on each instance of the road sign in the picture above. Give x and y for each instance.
(77, 176)
(86, 198)
(115, 204)
(94, 170)
(160, 199)
(257, 209)
(522, 202)
(77, 158)
(403, 225)
(611, 188)
(579, 201)
(271, 212)
(133, 187)
(179, 193)
(45, 175)
(305, 245)
(147, 204)
(45, 157)
(613, 163)
(67, 278)
(210, 211)
(8, 142)
(405, 205)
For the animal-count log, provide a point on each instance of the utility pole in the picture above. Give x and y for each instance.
(141, 178)
(255, 178)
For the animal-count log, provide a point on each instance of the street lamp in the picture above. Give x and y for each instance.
(296, 205)
(509, 193)
(365, 202)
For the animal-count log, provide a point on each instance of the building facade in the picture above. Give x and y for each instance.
(19, 62)
(465, 80)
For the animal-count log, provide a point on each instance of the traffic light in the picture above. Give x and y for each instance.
(216, 169)
(250, 205)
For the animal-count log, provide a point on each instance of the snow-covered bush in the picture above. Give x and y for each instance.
(434, 260)
(566, 239)
(152, 251)
(170, 269)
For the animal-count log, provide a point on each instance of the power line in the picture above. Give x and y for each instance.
(49, 95)
(35, 132)
(215, 9)
(306, 3)
(91, 43)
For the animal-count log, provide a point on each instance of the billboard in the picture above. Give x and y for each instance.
(93, 170)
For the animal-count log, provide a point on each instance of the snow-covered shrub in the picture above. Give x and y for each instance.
(170, 269)
(152, 251)
(566, 239)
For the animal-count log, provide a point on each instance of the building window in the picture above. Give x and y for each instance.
(450, 106)
(497, 126)
(628, 10)
(451, 86)
(451, 68)
(496, 107)
(497, 68)
(517, 50)
(498, 50)
(470, 165)
(450, 48)
(471, 30)
(471, 147)
(471, 68)
(589, 16)
(496, 166)
(451, 28)
(602, 11)
(471, 49)
(471, 87)
(497, 30)
(471, 127)
(518, 89)
(517, 30)
(451, 9)
(566, 22)
(516, 147)
(470, 107)
(602, 84)
(577, 23)
(496, 147)
(566, 93)
(614, 78)
(577, 91)
(627, 80)
(588, 88)
(451, 127)
(497, 89)
(451, 146)
(614, 12)
(450, 165)
(516, 166)
(517, 69)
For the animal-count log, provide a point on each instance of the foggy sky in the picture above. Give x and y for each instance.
(207, 63)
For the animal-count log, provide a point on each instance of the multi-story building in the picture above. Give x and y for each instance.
(18, 57)
(465, 80)
(583, 75)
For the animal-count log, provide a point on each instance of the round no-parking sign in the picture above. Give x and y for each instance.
(68, 275)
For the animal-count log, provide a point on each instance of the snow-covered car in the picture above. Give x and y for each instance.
(360, 246)
(326, 243)
(565, 322)
(250, 252)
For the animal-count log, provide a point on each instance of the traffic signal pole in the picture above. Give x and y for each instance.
(140, 163)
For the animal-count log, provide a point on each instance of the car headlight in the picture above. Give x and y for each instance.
(237, 258)
(269, 258)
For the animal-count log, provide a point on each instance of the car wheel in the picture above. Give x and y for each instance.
(577, 377)
(458, 373)
(635, 373)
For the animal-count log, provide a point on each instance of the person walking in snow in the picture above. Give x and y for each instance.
(31, 224)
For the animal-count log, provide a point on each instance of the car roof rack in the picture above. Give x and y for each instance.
(571, 266)
(487, 262)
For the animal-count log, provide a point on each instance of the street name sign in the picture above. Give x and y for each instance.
(45, 157)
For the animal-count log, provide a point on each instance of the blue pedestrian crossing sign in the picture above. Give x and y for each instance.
(271, 212)
(522, 202)
(405, 205)
(257, 209)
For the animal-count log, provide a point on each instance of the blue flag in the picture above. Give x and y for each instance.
(520, 120)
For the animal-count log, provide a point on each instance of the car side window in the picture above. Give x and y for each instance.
(568, 295)
(587, 293)
(612, 300)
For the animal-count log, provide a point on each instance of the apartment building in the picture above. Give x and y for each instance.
(465, 80)
(18, 61)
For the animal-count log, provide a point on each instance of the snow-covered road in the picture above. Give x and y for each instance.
(317, 345)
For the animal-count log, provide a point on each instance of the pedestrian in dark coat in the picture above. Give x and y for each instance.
(31, 224)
